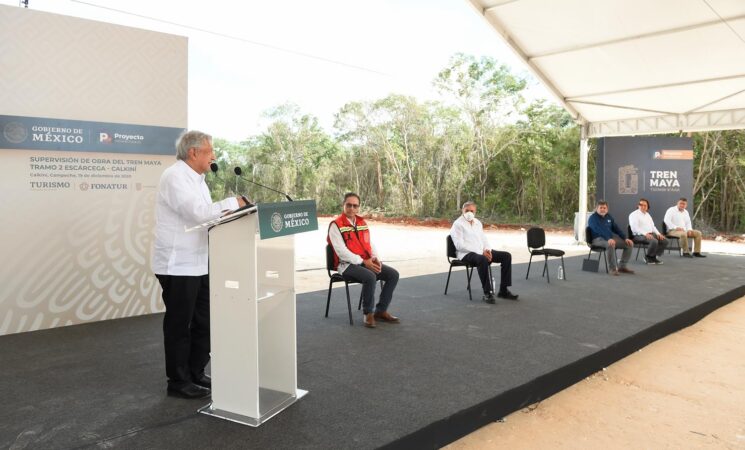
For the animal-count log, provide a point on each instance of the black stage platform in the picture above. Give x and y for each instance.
(451, 367)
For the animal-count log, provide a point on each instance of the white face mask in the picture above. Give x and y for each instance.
(468, 215)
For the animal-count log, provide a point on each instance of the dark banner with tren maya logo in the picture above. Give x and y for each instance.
(658, 168)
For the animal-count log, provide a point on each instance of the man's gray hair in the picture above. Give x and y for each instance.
(468, 203)
(190, 139)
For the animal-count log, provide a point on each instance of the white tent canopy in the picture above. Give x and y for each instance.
(627, 67)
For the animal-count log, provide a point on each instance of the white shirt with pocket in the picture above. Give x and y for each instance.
(183, 201)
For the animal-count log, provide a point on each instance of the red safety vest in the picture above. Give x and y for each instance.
(357, 238)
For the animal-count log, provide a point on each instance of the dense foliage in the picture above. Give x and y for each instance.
(483, 140)
(719, 180)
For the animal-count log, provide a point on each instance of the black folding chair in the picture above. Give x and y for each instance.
(674, 241)
(595, 248)
(337, 278)
(455, 262)
(536, 246)
(640, 242)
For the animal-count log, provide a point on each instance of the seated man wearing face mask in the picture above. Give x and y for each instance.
(472, 247)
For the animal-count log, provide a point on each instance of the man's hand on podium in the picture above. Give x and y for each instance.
(242, 201)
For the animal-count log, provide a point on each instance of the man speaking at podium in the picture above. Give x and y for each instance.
(180, 263)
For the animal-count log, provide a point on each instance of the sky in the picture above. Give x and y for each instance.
(246, 57)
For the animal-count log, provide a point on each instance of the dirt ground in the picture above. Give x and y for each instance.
(684, 391)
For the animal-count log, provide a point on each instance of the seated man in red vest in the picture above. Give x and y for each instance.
(356, 259)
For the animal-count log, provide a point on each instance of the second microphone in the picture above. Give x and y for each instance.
(238, 171)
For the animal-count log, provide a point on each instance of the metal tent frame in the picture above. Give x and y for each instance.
(631, 67)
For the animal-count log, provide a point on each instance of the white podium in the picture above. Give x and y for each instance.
(252, 315)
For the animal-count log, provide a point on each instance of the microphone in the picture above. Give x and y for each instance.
(214, 168)
(238, 173)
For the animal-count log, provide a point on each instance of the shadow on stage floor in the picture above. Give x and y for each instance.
(452, 366)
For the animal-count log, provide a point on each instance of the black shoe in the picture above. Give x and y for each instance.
(658, 261)
(188, 390)
(687, 255)
(649, 260)
(699, 255)
(506, 294)
(204, 380)
(488, 298)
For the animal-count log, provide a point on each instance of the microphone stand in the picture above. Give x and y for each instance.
(238, 171)
(214, 168)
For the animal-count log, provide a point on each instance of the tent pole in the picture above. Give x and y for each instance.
(582, 216)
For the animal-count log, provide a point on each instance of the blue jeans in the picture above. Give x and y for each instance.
(361, 274)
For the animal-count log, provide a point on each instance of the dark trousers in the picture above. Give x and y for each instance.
(361, 274)
(482, 266)
(656, 247)
(186, 326)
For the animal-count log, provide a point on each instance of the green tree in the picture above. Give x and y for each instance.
(719, 179)
(487, 94)
(292, 155)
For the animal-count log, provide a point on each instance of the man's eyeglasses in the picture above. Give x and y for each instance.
(352, 205)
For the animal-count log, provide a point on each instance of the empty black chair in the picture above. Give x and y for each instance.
(536, 246)
(453, 260)
(595, 248)
(638, 243)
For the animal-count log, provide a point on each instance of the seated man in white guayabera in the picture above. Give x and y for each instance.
(678, 223)
(472, 247)
(643, 230)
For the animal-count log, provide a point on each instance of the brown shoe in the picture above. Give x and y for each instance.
(387, 317)
(625, 270)
(614, 273)
(369, 320)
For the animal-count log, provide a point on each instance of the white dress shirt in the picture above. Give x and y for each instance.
(641, 223)
(468, 237)
(674, 218)
(183, 201)
(346, 257)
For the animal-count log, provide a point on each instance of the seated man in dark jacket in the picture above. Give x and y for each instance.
(606, 233)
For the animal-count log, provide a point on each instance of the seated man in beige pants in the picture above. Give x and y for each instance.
(678, 223)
